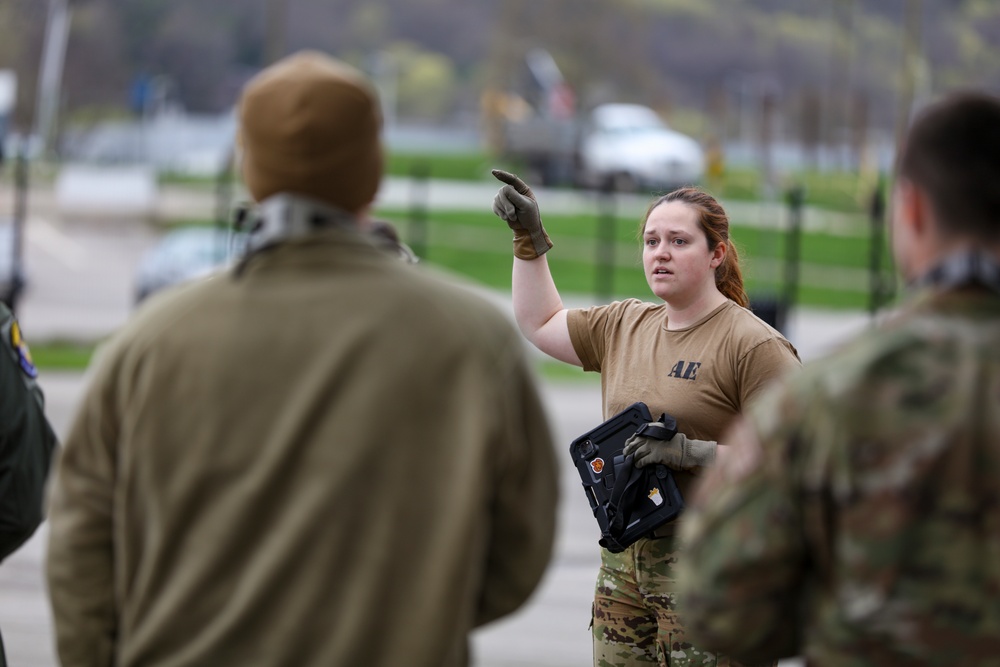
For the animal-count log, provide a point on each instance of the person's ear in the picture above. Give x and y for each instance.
(913, 208)
(718, 255)
(913, 233)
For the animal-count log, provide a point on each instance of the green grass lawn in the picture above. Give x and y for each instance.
(62, 355)
(478, 245)
(557, 371)
(455, 167)
(844, 191)
(833, 270)
(65, 356)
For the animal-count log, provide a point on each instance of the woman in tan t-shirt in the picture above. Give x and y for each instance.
(697, 354)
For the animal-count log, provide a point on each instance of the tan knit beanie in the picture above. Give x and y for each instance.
(310, 125)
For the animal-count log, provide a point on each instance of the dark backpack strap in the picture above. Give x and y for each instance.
(622, 495)
(627, 482)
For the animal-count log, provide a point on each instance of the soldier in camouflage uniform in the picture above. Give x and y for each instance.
(859, 522)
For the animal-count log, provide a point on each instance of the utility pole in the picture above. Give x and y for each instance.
(50, 79)
(913, 22)
(911, 64)
(848, 9)
(840, 112)
(275, 29)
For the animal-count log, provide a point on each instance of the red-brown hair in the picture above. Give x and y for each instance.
(715, 223)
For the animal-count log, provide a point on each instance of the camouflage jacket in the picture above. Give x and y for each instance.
(868, 532)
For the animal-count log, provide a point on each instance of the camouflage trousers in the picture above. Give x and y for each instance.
(635, 622)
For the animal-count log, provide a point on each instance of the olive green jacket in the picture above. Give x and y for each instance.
(328, 458)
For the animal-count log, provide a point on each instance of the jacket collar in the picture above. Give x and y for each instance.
(973, 267)
(285, 217)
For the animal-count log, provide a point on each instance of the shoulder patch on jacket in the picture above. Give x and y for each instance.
(21, 352)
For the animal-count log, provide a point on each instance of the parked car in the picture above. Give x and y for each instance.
(186, 254)
(189, 253)
(628, 147)
(624, 147)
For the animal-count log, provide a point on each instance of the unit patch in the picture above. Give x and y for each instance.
(21, 351)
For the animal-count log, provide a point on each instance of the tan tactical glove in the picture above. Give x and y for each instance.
(515, 204)
(678, 453)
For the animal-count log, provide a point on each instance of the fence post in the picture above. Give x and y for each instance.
(417, 237)
(224, 205)
(793, 248)
(604, 286)
(879, 291)
(20, 217)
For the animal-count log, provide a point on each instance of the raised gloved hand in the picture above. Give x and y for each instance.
(515, 204)
(678, 453)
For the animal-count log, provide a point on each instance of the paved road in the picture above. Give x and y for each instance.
(551, 630)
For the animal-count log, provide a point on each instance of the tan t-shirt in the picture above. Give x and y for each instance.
(702, 375)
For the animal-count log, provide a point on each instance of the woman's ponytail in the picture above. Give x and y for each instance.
(729, 277)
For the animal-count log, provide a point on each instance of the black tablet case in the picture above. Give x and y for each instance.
(651, 498)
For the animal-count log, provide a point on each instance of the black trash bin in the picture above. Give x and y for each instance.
(771, 309)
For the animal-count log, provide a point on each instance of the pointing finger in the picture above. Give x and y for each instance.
(512, 180)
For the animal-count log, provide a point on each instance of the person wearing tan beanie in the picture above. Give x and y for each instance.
(310, 125)
(323, 456)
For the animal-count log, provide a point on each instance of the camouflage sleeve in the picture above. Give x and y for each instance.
(744, 559)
